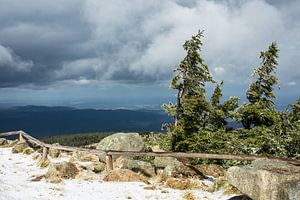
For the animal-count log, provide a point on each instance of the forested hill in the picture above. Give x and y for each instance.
(42, 121)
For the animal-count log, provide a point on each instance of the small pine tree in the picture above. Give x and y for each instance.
(260, 109)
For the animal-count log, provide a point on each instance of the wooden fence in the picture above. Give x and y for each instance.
(109, 153)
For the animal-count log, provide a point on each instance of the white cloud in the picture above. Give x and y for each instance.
(292, 83)
(219, 71)
(142, 40)
(91, 68)
(83, 81)
(146, 37)
(11, 61)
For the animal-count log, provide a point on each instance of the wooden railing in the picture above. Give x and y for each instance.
(109, 153)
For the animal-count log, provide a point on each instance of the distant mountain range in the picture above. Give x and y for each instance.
(43, 121)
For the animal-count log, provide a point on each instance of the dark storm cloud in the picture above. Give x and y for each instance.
(46, 42)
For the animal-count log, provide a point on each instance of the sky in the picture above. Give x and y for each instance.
(102, 53)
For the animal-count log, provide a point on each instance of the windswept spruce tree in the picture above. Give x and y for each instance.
(260, 110)
(193, 113)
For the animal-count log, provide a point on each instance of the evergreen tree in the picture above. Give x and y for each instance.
(193, 113)
(192, 108)
(260, 109)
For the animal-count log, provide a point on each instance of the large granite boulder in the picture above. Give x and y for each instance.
(122, 142)
(135, 165)
(267, 179)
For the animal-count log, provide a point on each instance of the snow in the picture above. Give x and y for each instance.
(17, 170)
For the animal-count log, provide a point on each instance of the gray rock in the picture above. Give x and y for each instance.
(54, 153)
(3, 142)
(122, 142)
(20, 147)
(66, 170)
(135, 165)
(86, 156)
(162, 162)
(267, 180)
(179, 171)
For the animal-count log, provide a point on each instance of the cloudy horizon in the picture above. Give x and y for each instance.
(63, 52)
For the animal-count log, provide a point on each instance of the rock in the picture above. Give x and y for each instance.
(12, 143)
(240, 197)
(28, 151)
(36, 156)
(3, 142)
(267, 179)
(54, 153)
(98, 167)
(162, 162)
(122, 142)
(95, 167)
(124, 175)
(85, 156)
(179, 171)
(57, 171)
(211, 170)
(19, 147)
(86, 176)
(177, 183)
(135, 165)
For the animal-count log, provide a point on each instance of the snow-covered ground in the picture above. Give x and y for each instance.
(17, 170)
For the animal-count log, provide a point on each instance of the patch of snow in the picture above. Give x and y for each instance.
(17, 170)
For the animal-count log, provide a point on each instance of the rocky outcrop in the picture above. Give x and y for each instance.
(267, 180)
(122, 142)
(59, 171)
(135, 165)
(124, 175)
(20, 147)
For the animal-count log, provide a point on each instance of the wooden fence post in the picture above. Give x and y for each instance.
(45, 154)
(109, 163)
(21, 138)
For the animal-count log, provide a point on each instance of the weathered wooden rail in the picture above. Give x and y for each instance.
(109, 153)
